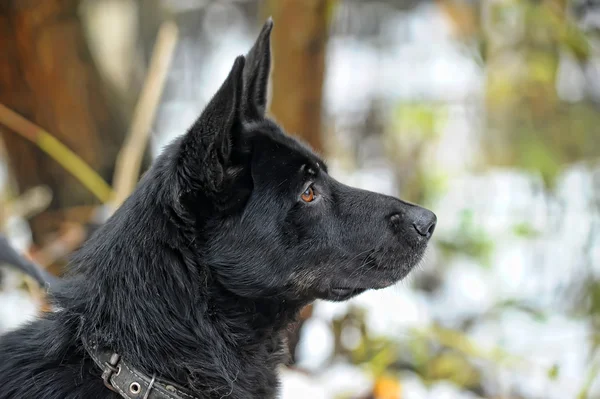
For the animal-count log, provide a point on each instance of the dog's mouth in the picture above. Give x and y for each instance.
(380, 272)
(343, 293)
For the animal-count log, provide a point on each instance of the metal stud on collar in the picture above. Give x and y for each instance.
(135, 388)
(110, 368)
(150, 386)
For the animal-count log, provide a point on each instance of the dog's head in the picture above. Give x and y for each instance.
(268, 218)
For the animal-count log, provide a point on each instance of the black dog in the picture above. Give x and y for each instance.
(187, 290)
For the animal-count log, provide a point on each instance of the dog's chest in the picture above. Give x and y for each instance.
(258, 376)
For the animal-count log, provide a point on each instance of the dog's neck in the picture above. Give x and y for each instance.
(154, 305)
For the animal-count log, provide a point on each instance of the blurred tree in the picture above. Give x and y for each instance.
(523, 45)
(47, 75)
(530, 125)
(299, 41)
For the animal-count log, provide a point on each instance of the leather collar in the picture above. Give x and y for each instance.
(121, 377)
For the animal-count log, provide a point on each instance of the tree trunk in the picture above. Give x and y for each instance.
(47, 75)
(299, 40)
(298, 43)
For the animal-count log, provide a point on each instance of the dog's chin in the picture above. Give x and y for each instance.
(342, 289)
(340, 293)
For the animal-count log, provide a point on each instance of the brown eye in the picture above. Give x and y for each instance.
(308, 195)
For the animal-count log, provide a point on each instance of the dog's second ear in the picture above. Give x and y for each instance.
(205, 149)
(256, 74)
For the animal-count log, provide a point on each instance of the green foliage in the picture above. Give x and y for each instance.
(434, 183)
(591, 295)
(413, 127)
(592, 375)
(553, 372)
(452, 366)
(417, 118)
(468, 239)
(418, 121)
(525, 230)
(530, 127)
(534, 154)
(537, 314)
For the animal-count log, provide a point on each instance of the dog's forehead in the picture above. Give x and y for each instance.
(271, 134)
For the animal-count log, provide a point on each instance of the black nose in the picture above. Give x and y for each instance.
(424, 222)
(414, 219)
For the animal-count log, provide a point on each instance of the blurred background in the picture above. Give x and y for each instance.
(487, 112)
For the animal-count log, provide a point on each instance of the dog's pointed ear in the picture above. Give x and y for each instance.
(205, 149)
(256, 74)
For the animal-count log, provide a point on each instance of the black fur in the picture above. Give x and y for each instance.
(198, 274)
